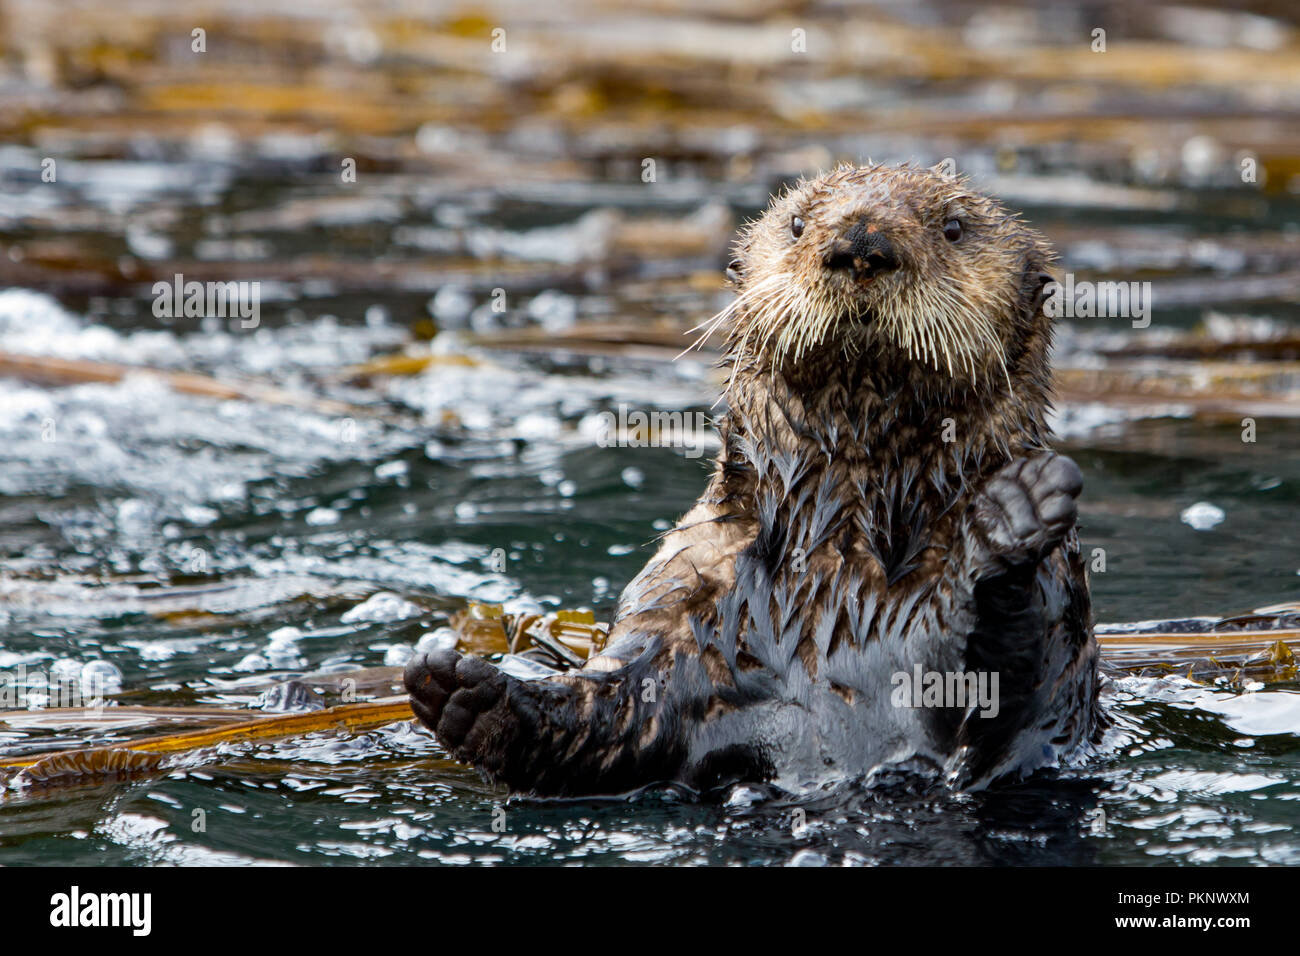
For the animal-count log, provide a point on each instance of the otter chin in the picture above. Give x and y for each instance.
(883, 575)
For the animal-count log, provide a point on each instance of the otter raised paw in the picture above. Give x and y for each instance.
(1026, 509)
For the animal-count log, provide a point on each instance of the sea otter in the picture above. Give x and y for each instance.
(886, 527)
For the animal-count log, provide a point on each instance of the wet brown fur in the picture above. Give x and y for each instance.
(839, 519)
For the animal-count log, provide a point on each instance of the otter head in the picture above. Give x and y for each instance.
(905, 263)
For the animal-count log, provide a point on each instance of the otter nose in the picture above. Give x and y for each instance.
(864, 250)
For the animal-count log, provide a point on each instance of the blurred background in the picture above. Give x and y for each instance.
(473, 227)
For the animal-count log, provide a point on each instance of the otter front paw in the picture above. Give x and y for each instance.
(1027, 508)
(463, 700)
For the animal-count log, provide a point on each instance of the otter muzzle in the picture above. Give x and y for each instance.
(865, 251)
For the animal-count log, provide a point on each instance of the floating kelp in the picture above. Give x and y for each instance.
(146, 754)
(79, 766)
(1259, 646)
(56, 371)
(569, 637)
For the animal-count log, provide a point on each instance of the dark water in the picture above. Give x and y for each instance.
(211, 548)
(301, 527)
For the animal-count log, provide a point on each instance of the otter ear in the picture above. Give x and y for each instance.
(1034, 284)
(735, 270)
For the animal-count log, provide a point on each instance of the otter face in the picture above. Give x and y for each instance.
(903, 259)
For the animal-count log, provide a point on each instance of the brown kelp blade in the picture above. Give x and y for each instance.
(52, 370)
(1261, 645)
(147, 754)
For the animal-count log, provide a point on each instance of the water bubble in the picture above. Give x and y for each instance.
(99, 678)
(555, 311)
(742, 796)
(522, 605)
(1201, 156)
(382, 607)
(398, 654)
(433, 138)
(135, 516)
(1202, 516)
(538, 426)
(322, 516)
(200, 514)
(808, 858)
(285, 656)
(251, 663)
(282, 648)
(444, 638)
(284, 635)
(451, 306)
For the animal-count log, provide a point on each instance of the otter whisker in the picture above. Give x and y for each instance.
(711, 325)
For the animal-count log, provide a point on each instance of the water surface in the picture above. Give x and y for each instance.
(212, 548)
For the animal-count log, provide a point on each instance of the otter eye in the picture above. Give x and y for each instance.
(952, 231)
(733, 270)
(796, 227)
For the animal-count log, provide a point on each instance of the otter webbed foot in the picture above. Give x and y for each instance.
(465, 702)
(581, 733)
(1025, 510)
